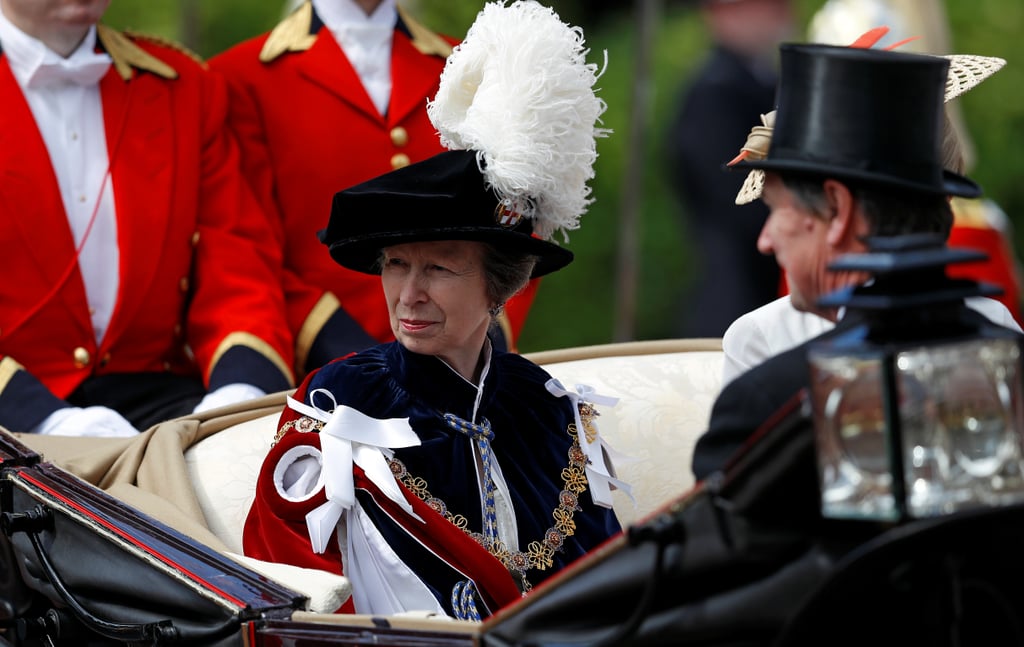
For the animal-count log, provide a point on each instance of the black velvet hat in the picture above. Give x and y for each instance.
(516, 109)
(444, 197)
(864, 115)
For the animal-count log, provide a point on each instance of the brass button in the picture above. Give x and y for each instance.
(183, 284)
(105, 360)
(195, 239)
(167, 366)
(399, 136)
(399, 161)
(82, 357)
(177, 330)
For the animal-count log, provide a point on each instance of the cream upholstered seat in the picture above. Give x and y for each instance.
(223, 468)
(665, 391)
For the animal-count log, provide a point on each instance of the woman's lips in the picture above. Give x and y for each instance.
(413, 325)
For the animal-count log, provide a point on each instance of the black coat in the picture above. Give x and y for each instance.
(721, 105)
(750, 400)
(753, 398)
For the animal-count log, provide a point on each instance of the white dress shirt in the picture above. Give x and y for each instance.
(777, 326)
(64, 97)
(366, 41)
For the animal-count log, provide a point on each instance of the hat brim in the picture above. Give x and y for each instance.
(951, 184)
(362, 253)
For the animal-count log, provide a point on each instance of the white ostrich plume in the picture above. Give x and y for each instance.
(519, 92)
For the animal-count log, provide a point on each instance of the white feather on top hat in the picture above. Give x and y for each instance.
(519, 92)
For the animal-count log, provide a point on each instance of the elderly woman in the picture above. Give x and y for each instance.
(437, 472)
(460, 472)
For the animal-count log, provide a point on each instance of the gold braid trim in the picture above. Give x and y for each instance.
(167, 42)
(249, 340)
(8, 367)
(127, 54)
(311, 327)
(424, 40)
(539, 555)
(290, 35)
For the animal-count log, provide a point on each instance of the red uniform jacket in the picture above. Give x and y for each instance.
(308, 129)
(972, 229)
(199, 275)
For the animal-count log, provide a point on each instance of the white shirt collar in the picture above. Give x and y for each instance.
(366, 41)
(26, 54)
(338, 14)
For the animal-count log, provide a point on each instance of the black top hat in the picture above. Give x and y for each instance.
(443, 197)
(865, 115)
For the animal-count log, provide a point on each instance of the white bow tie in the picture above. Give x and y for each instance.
(83, 70)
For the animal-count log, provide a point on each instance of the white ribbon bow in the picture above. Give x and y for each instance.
(351, 437)
(85, 69)
(600, 474)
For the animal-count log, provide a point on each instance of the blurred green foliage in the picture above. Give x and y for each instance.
(577, 305)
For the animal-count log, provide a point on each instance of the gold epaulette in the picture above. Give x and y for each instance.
(506, 328)
(969, 212)
(290, 35)
(167, 42)
(424, 40)
(127, 55)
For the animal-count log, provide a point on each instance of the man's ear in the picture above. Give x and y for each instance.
(842, 213)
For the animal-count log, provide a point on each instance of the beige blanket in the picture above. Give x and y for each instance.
(148, 471)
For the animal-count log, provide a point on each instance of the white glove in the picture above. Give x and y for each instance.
(228, 394)
(90, 421)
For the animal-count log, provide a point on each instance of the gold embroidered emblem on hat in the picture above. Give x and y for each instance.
(507, 214)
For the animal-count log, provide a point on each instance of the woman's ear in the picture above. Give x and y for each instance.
(843, 221)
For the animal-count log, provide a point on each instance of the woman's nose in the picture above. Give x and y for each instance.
(413, 288)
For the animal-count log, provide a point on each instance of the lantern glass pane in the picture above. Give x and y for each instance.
(852, 445)
(961, 421)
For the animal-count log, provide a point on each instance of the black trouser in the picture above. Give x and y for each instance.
(144, 399)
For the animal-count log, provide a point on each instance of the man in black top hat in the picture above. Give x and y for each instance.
(855, 153)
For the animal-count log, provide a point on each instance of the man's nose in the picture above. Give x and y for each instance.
(764, 241)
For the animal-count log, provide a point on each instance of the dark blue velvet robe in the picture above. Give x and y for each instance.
(531, 443)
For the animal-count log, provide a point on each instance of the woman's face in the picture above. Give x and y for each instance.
(437, 300)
